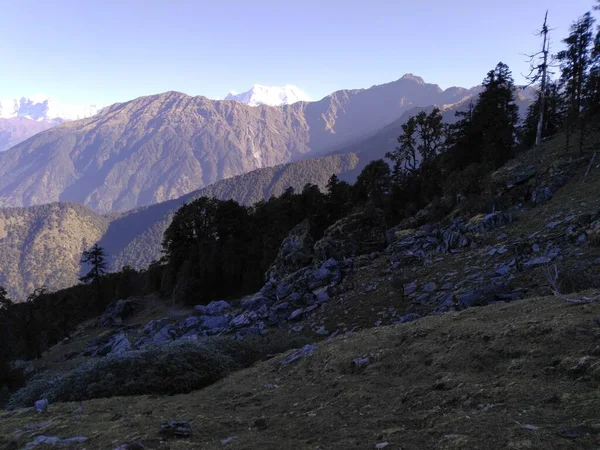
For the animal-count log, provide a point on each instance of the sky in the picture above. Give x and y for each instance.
(101, 52)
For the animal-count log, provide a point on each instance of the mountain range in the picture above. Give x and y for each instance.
(61, 231)
(161, 147)
(270, 95)
(21, 118)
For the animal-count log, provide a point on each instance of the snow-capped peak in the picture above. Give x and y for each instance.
(269, 95)
(41, 107)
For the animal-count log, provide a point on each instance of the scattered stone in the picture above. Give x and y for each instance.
(407, 318)
(215, 308)
(260, 424)
(554, 224)
(240, 321)
(322, 331)
(299, 354)
(227, 440)
(41, 405)
(382, 445)
(410, 288)
(538, 261)
(430, 287)
(531, 427)
(120, 344)
(378, 323)
(296, 314)
(361, 362)
(132, 446)
(176, 428)
(54, 441)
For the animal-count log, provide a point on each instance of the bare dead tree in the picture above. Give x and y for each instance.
(539, 73)
(553, 275)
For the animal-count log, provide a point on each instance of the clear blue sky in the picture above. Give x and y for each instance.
(82, 51)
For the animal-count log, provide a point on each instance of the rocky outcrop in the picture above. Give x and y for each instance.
(357, 234)
(296, 252)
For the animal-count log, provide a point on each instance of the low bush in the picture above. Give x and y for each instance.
(173, 368)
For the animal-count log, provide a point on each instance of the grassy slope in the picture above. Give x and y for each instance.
(474, 379)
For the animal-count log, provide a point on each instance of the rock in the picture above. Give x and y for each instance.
(541, 195)
(214, 324)
(165, 334)
(176, 428)
(484, 224)
(361, 233)
(295, 252)
(296, 314)
(430, 287)
(260, 424)
(116, 313)
(240, 321)
(215, 308)
(120, 344)
(382, 445)
(538, 261)
(407, 318)
(361, 362)
(154, 326)
(554, 224)
(299, 354)
(480, 297)
(41, 405)
(410, 288)
(132, 446)
(54, 441)
(227, 440)
(254, 303)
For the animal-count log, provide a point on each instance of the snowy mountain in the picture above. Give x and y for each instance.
(269, 95)
(40, 107)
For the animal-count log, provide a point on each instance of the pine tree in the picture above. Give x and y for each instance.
(97, 259)
(5, 302)
(553, 116)
(575, 64)
(495, 117)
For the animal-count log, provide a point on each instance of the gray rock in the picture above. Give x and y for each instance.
(120, 344)
(165, 334)
(240, 321)
(361, 362)
(214, 323)
(299, 354)
(554, 224)
(295, 252)
(132, 446)
(254, 303)
(54, 441)
(407, 318)
(41, 405)
(538, 261)
(154, 326)
(215, 308)
(176, 428)
(296, 314)
(430, 287)
(410, 288)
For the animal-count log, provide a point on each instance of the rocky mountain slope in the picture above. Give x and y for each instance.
(269, 95)
(161, 147)
(134, 238)
(42, 245)
(432, 333)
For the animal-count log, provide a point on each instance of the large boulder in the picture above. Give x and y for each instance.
(358, 234)
(117, 312)
(296, 252)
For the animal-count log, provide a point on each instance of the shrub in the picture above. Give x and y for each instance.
(172, 368)
(576, 278)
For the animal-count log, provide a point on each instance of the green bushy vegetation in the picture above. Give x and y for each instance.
(176, 367)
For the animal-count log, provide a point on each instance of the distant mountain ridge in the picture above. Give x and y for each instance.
(270, 95)
(21, 118)
(161, 147)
